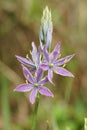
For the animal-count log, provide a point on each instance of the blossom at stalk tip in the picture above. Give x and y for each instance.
(52, 63)
(35, 85)
(35, 62)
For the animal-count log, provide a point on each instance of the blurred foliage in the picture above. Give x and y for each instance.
(19, 26)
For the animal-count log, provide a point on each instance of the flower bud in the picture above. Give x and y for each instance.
(46, 29)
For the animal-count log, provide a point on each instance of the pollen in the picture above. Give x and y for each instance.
(59, 55)
(26, 82)
(27, 56)
(64, 65)
(65, 61)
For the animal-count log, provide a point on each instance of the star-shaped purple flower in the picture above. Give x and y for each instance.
(35, 85)
(35, 62)
(53, 64)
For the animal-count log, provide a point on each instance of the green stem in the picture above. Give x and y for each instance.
(35, 113)
(47, 125)
(5, 104)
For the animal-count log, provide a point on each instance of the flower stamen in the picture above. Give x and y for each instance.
(59, 55)
(26, 81)
(27, 56)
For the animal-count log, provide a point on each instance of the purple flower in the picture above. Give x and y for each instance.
(35, 62)
(53, 64)
(35, 84)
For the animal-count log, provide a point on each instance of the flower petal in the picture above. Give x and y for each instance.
(50, 75)
(45, 53)
(44, 80)
(39, 74)
(34, 53)
(45, 91)
(63, 72)
(64, 60)
(23, 88)
(28, 74)
(41, 38)
(25, 72)
(39, 55)
(49, 37)
(44, 66)
(32, 70)
(25, 61)
(31, 78)
(55, 52)
(33, 95)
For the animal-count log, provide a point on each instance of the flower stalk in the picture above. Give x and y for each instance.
(47, 125)
(35, 113)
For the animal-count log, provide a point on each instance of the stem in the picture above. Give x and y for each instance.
(35, 113)
(5, 104)
(47, 125)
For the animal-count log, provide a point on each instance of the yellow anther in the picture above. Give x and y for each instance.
(59, 55)
(65, 60)
(64, 65)
(27, 56)
(30, 52)
(26, 82)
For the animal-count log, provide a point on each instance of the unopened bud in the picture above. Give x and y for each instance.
(46, 29)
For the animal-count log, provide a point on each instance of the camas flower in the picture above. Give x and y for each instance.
(53, 64)
(35, 62)
(35, 85)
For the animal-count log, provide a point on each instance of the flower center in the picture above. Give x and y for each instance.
(36, 85)
(51, 65)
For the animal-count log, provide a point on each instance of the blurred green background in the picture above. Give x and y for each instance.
(19, 26)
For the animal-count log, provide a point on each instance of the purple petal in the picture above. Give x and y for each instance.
(39, 74)
(64, 60)
(63, 72)
(33, 95)
(39, 57)
(44, 80)
(25, 61)
(23, 88)
(28, 74)
(44, 66)
(41, 38)
(55, 52)
(50, 75)
(30, 78)
(45, 53)
(45, 91)
(32, 70)
(25, 72)
(49, 37)
(34, 53)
